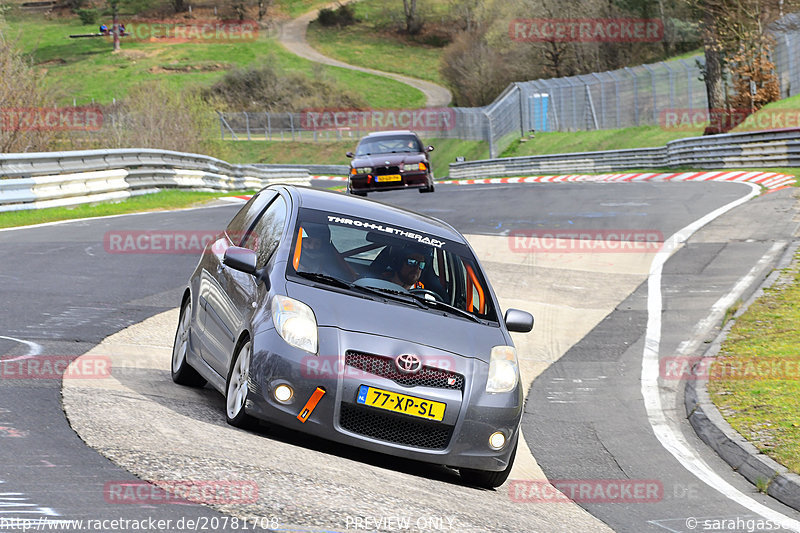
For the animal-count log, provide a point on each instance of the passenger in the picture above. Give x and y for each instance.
(407, 270)
(103, 29)
(318, 254)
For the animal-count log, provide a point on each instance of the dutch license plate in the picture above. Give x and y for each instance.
(400, 403)
(389, 177)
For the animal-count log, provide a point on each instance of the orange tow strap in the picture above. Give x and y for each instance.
(311, 404)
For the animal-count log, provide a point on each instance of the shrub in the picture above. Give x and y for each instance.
(20, 89)
(154, 115)
(344, 15)
(88, 16)
(269, 88)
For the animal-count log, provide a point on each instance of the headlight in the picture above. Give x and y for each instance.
(414, 166)
(502, 369)
(295, 322)
(363, 170)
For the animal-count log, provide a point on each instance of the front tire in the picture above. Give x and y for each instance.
(350, 191)
(429, 188)
(182, 373)
(237, 389)
(487, 479)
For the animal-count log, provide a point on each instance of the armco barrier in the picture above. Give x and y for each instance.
(50, 179)
(774, 148)
(334, 170)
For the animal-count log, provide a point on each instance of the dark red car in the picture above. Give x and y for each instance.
(390, 160)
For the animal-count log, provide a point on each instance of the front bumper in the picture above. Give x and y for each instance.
(461, 439)
(371, 183)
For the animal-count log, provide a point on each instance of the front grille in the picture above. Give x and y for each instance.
(384, 367)
(394, 428)
(379, 171)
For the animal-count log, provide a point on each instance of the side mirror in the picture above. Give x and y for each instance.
(518, 321)
(350, 155)
(241, 259)
(429, 149)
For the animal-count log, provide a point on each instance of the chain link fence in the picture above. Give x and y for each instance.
(637, 96)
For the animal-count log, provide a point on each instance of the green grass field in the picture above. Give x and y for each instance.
(84, 70)
(372, 43)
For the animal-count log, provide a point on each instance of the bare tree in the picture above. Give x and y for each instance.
(735, 40)
(21, 96)
(412, 17)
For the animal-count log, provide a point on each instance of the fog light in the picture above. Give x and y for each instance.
(497, 440)
(283, 393)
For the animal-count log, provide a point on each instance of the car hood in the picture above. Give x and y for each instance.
(380, 160)
(399, 321)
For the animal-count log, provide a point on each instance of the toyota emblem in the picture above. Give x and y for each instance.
(408, 364)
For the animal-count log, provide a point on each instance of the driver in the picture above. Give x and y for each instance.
(408, 268)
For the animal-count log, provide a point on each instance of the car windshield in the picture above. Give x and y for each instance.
(373, 257)
(389, 145)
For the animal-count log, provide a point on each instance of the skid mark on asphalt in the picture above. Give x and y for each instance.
(18, 505)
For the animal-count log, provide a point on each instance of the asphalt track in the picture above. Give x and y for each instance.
(65, 292)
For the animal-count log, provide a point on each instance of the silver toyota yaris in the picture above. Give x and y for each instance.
(358, 322)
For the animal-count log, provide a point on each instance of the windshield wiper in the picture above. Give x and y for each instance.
(330, 280)
(442, 305)
(396, 295)
(324, 278)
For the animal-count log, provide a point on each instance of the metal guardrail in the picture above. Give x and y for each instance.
(314, 170)
(775, 148)
(50, 179)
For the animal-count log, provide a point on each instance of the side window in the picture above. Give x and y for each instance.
(266, 235)
(243, 220)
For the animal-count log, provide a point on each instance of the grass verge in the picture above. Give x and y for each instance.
(756, 376)
(332, 153)
(170, 199)
(558, 142)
